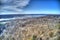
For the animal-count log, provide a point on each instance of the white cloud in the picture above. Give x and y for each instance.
(21, 3)
(7, 13)
(15, 3)
(12, 5)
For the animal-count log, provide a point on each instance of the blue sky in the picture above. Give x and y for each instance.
(35, 7)
(42, 6)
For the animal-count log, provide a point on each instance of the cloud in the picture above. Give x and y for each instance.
(13, 5)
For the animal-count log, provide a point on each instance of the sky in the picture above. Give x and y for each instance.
(43, 6)
(34, 7)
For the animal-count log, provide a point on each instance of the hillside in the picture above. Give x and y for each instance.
(38, 28)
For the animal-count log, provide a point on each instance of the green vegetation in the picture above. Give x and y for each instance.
(51, 34)
(10, 38)
(58, 26)
(0, 38)
(58, 32)
(34, 37)
(58, 38)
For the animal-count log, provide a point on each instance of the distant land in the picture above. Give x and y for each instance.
(42, 28)
(20, 15)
